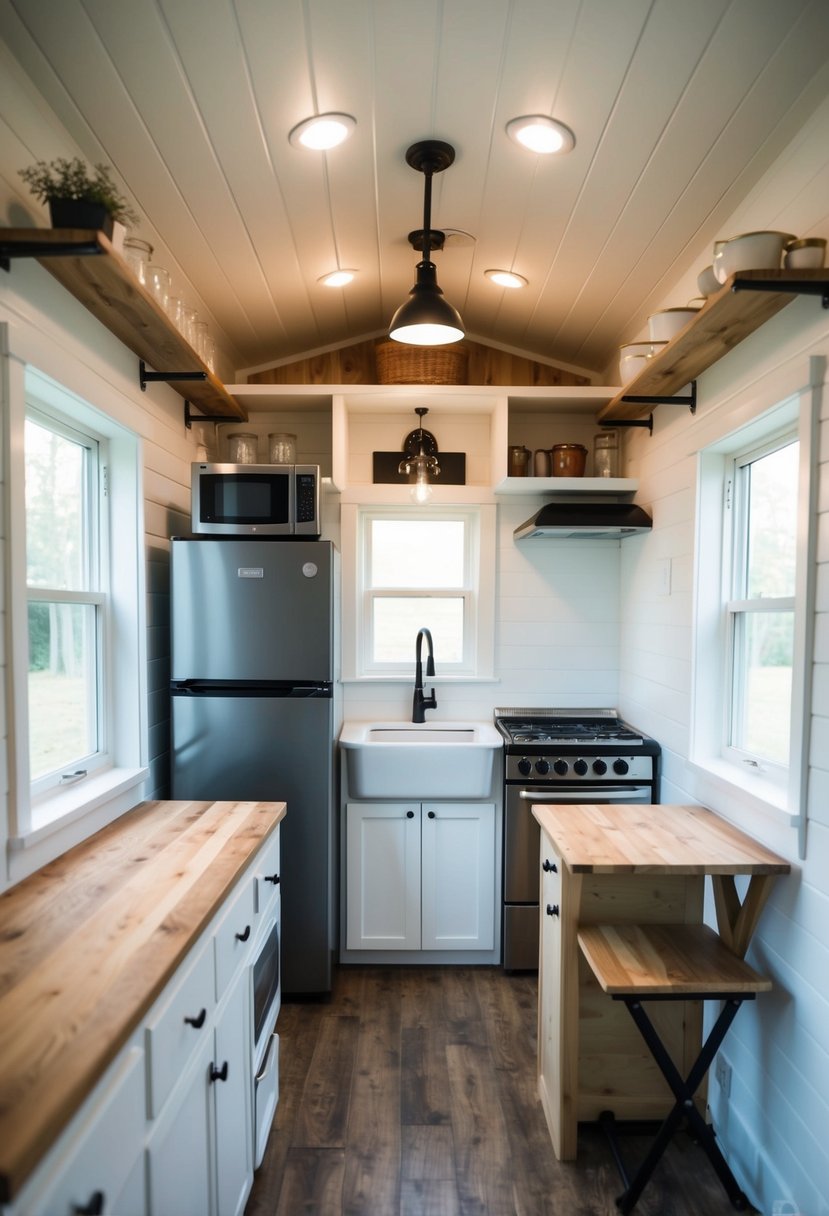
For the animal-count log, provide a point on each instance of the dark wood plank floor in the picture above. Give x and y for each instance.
(413, 1093)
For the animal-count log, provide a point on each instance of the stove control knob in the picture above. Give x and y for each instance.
(524, 767)
(561, 767)
(542, 766)
(620, 767)
(580, 767)
(599, 767)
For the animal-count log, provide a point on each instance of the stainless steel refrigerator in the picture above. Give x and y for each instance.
(252, 687)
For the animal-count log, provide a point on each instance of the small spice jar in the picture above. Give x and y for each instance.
(568, 459)
(242, 447)
(606, 454)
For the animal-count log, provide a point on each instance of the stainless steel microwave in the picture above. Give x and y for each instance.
(255, 500)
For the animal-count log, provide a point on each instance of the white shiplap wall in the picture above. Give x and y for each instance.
(39, 310)
(772, 1127)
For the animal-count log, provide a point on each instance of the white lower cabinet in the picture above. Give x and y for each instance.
(98, 1166)
(420, 876)
(168, 1130)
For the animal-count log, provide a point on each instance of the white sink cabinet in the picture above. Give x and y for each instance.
(420, 876)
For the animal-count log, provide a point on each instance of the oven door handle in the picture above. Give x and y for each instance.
(583, 794)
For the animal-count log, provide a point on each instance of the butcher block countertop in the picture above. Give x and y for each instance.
(648, 839)
(89, 942)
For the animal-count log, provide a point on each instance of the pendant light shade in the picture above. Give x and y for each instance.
(426, 318)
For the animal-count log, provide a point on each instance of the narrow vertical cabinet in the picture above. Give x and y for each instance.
(383, 876)
(550, 1046)
(420, 876)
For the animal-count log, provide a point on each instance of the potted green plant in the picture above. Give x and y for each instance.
(78, 197)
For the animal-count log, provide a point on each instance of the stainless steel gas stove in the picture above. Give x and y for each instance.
(560, 755)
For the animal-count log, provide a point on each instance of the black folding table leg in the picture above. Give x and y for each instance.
(683, 1091)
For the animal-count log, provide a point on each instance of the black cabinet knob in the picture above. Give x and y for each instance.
(243, 937)
(549, 867)
(218, 1074)
(94, 1206)
(431, 814)
(552, 909)
(274, 878)
(410, 814)
(197, 1022)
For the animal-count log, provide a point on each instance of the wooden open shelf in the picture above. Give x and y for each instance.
(104, 283)
(721, 324)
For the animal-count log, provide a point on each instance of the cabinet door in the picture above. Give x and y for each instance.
(458, 879)
(383, 876)
(231, 1090)
(179, 1150)
(549, 989)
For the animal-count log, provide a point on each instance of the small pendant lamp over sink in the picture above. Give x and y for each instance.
(427, 318)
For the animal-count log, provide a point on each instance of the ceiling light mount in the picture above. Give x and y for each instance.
(541, 134)
(426, 318)
(322, 131)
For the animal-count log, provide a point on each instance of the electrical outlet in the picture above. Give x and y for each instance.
(722, 1072)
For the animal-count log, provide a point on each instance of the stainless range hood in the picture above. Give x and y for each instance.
(607, 520)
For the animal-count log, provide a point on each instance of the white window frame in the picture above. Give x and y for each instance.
(478, 592)
(738, 608)
(95, 594)
(744, 791)
(40, 828)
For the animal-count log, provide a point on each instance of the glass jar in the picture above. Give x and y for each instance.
(158, 284)
(606, 454)
(137, 255)
(281, 448)
(242, 447)
(519, 458)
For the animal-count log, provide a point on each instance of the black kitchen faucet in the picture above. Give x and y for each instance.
(419, 702)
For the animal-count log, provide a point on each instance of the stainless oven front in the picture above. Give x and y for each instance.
(521, 853)
(265, 1003)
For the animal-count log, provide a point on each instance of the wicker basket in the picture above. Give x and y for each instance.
(399, 363)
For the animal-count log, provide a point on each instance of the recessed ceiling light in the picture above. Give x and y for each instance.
(323, 131)
(540, 134)
(506, 278)
(337, 278)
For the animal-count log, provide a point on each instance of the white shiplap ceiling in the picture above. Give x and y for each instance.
(678, 107)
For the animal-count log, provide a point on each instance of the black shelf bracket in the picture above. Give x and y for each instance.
(690, 400)
(145, 377)
(36, 249)
(189, 418)
(646, 422)
(814, 288)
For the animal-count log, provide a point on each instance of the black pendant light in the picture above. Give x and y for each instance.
(427, 318)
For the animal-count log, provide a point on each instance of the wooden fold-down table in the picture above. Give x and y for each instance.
(637, 865)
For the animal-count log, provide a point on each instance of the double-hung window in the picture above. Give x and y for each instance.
(761, 517)
(417, 567)
(67, 600)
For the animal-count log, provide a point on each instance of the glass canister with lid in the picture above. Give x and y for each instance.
(242, 447)
(606, 454)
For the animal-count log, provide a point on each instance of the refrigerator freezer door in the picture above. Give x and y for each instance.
(252, 610)
(272, 750)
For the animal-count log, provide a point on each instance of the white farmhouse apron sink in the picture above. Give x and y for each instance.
(419, 760)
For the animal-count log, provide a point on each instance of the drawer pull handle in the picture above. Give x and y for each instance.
(410, 814)
(218, 1074)
(274, 878)
(549, 867)
(198, 1022)
(552, 909)
(243, 937)
(93, 1207)
(431, 814)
